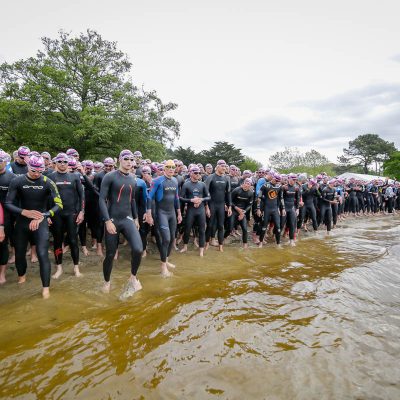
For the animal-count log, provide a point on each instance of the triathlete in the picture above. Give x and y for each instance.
(194, 193)
(118, 209)
(5, 178)
(218, 185)
(309, 192)
(272, 196)
(67, 220)
(19, 166)
(164, 192)
(242, 200)
(328, 197)
(33, 191)
(291, 199)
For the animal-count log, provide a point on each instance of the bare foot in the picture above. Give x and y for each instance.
(165, 273)
(65, 249)
(201, 252)
(196, 242)
(184, 249)
(116, 255)
(144, 254)
(220, 248)
(2, 280)
(214, 242)
(99, 250)
(260, 245)
(11, 260)
(170, 265)
(58, 273)
(106, 287)
(85, 250)
(77, 273)
(34, 258)
(22, 279)
(45, 292)
(292, 243)
(207, 246)
(245, 246)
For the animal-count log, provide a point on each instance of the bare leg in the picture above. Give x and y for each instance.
(164, 270)
(170, 265)
(3, 274)
(221, 248)
(85, 251)
(45, 292)
(34, 258)
(99, 250)
(58, 272)
(184, 249)
(77, 272)
(201, 251)
(106, 287)
(11, 260)
(22, 279)
(144, 254)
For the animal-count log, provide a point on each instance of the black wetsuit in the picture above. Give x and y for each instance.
(19, 169)
(272, 198)
(219, 188)
(191, 190)
(99, 221)
(5, 180)
(72, 195)
(33, 195)
(328, 194)
(291, 199)
(117, 203)
(243, 200)
(308, 195)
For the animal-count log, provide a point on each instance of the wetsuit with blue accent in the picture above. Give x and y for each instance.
(191, 190)
(72, 195)
(219, 188)
(164, 192)
(141, 203)
(117, 203)
(33, 195)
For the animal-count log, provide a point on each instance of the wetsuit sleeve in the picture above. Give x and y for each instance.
(248, 208)
(89, 185)
(183, 195)
(155, 185)
(11, 196)
(58, 205)
(176, 201)
(81, 195)
(206, 194)
(133, 206)
(324, 193)
(1, 215)
(281, 202)
(260, 182)
(228, 194)
(144, 191)
(104, 189)
(259, 197)
(297, 198)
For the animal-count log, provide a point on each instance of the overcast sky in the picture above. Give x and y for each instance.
(261, 74)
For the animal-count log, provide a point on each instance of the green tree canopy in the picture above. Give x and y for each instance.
(222, 151)
(368, 149)
(391, 166)
(77, 92)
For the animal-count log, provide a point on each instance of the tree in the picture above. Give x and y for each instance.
(77, 93)
(367, 149)
(222, 151)
(391, 166)
(250, 163)
(187, 156)
(314, 159)
(287, 159)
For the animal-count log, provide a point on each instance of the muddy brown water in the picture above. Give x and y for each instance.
(318, 321)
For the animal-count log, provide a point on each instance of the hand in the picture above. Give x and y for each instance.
(283, 212)
(2, 234)
(208, 213)
(196, 200)
(32, 214)
(111, 229)
(148, 219)
(34, 224)
(240, 216)
(179, 218)
(297, 212)
(49, 221)
(196, 205)
(136, 221)
(301, 203)
(229, 211)
(258, 212)
(80, 217)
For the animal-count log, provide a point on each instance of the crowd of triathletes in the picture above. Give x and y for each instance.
(168, 202)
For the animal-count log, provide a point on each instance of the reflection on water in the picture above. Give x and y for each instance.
(320, 320)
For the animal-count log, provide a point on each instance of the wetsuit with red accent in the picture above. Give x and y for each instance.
(117, 203)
